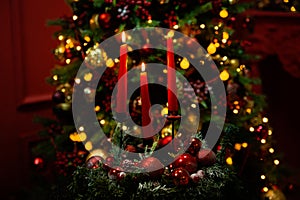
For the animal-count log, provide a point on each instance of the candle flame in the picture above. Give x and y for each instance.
(123, 37)
(143, 67)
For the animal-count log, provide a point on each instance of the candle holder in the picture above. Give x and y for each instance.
(173, 116)
(121, 118)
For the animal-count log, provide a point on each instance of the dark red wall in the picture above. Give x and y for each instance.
(26, 59)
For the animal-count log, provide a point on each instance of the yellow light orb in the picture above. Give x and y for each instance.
(97, 108)
(293, 9)
(237, 146)
(263, 141)
(224, 75)
(202, 26)
(265, 120)
(78, 48)
(223, 13)
(276, 162)
(269, 132)
(55, 77)
(251, 129)
(229, 161)
(102, 121)
(263, 177)
(60, 37)
(225, 35)
(88, 146)
(211, 49)
(88, 77)
(184, 64)
(110, 62)
(245, 145)
(271, 150)
(265, 189)
(82, 136)
(164, 111)
(87, 38)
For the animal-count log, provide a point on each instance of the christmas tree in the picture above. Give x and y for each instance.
(116, 61)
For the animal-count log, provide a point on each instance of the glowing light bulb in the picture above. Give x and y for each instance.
(60, 37)
(176, 26)
(251, 129)
(293, 9)
(102, 121)
(245, 145)
(77, 80)
(211, 49)
(237, 146)
(225, 35)
(97, 108)
(164, 111)
(87, 38)
(55, 77)
(263, 177)
(223, 13)
(271, 150)
(88, 77)
(265, 189)
(110, 62)
(265, 120)
(75, 17)
(184, 64)
(270, 132)
(263, 141)
(78, 48)
(81, 128)
(202, 26)
(229, 161)
(88, 146)
(276, 162)
(224, 75)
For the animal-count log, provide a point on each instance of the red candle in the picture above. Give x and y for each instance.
(172, 89)
(145, 102)
(122, 83)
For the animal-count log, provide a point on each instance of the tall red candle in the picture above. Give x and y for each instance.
(172, 89)
(122, 83)
(146, 105)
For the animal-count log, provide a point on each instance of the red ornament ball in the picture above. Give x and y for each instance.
(194, 146)
(39, 162)
(58, 97)
(121, 176)
(180, 177)
(186, 161)
(164, 141)
(104, 20)
(113, 172)
(108, 163)
(152, 166)
(206, 157)
(94, 162)
(195, 178)
(130, 148)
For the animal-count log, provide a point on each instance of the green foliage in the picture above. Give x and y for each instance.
(219, 182)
